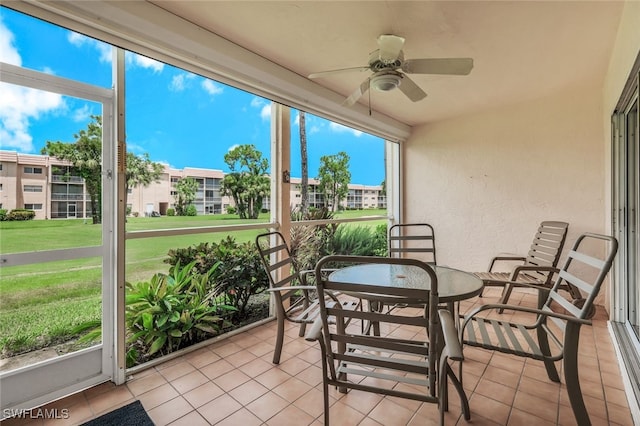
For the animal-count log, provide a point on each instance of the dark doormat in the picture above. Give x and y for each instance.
(131, 415)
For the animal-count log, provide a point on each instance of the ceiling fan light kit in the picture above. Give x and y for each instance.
(390, 70)
(386, 81)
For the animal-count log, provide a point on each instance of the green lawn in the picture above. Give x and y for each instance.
(40, 304)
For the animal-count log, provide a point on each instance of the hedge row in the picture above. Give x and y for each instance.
(17, 214)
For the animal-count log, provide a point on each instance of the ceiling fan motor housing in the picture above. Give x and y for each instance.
(376, 64)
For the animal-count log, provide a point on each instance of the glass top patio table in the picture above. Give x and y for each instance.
(453, 285)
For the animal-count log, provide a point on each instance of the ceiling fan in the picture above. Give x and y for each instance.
(390, 70)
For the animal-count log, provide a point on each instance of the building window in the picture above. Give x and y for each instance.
(33, 170)
(33, 188)
(33, 206)
(0, 167)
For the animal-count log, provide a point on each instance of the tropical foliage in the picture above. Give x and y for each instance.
(359, 241)
(334, 177)
(141, 171)
(171, 311)
(247, 181)
(86, 156)
(236, 273)
(185, 194)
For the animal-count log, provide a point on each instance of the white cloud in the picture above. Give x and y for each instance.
(144, 62)
(265, 112)
(257, 102)
(181, 81)
(19, 105)
(81, 114)
(77, 39)
(339, 128)
(135, 148)
(177, 83)
(232, 147)
(265, 107)
(103, 49)
(8, 51)
(313, 129)
(211, 88)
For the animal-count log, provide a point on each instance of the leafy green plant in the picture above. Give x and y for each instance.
(3, 214)
(191, 210)
(359, 241)
(171, 212)
(238, 275)
(172, 311)
(309, 242)
(20, 214)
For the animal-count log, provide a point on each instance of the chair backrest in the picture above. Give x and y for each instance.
(585, 269)
(402, 355)
(546, 247)
(284, 271)
(415, 240)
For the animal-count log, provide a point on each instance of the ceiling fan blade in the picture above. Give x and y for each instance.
(390, 47)
(454, 66)
(338, 71)
(411, 89)
(357, 94)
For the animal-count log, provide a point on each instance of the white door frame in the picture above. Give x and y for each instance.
(45, 381)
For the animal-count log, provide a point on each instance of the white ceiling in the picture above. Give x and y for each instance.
(521, 49)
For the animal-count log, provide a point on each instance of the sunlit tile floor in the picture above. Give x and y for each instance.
(233, 382)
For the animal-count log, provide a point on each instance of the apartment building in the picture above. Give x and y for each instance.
(54, 190)
(359, 196)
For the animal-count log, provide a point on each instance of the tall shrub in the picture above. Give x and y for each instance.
(239, 274)
(309, 242)
(359, 241)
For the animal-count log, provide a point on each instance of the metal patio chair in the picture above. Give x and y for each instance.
(538, 266)
(414, 368)
(554, 332)
(295, 298)
(415, 240)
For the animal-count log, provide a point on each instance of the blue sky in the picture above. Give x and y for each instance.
(179, 118)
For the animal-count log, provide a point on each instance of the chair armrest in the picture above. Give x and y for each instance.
(292, 287)
(452, 345)
(525, 268)
(519, 308)
(315, 332)
(510, 258)
(311, 272)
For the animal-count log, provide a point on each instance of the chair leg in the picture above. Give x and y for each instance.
(279, 339)
(464, 402)
(571, 378)
(325, 381)
(549, 365)
(506, 293)
(303, 329)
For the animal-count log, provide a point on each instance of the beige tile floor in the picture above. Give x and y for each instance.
(233, 382)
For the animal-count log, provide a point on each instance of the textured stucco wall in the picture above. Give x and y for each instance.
(486, 181)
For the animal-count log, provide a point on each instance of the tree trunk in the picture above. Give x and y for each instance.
(304, 184)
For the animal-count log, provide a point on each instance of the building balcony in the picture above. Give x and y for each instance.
(233, 381)
(66, 197)
(66, 179)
